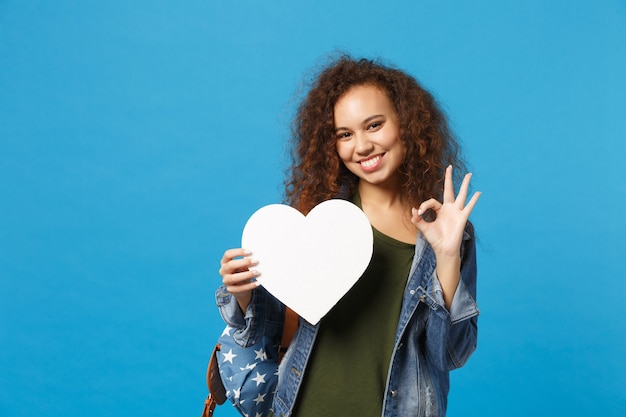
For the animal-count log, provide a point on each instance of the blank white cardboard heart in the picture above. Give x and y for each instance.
(309, 263)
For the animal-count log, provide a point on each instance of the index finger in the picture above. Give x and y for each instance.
(230, 254)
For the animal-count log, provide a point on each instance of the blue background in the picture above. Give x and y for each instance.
(137, 137)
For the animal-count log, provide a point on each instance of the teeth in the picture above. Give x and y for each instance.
(371, 162)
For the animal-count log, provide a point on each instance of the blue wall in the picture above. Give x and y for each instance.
(137, 137)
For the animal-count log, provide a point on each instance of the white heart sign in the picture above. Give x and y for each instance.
(309, 263)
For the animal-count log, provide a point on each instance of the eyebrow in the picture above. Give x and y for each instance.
(367, 120)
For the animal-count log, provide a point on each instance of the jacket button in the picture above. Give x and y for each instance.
(394, 393)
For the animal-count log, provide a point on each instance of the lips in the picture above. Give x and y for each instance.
(371, 163)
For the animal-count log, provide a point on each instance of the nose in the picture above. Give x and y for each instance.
(363, 145)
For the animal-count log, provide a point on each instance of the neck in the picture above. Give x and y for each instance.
(388, 211)
(380, 196)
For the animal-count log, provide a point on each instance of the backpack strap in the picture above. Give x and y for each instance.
(217, 392)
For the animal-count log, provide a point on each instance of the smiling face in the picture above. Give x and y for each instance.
(368, 135)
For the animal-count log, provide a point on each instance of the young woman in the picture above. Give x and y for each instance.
(371, 134)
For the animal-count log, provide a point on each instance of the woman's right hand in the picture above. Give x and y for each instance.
(238, 275)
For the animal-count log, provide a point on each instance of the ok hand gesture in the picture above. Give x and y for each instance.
(445, 233)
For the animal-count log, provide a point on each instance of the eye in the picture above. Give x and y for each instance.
(375, 125)
(343, 135)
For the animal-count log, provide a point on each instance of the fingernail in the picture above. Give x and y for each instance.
(247, 252)
(255, 272)
(419, 212)
(253, 261)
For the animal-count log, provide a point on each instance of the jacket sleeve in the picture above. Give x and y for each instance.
(263, 317)
(451, 336)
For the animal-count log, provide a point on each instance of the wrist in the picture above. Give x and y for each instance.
(243, 300)
(448, 256)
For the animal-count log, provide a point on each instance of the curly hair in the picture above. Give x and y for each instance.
(317, 173)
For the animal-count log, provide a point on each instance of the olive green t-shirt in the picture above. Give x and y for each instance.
(347, 372)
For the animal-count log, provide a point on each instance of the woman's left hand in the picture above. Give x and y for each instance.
(445, 233)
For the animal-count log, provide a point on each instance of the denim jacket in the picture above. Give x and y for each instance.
(430, 340)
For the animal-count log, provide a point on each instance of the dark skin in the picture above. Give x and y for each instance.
(368, 144)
